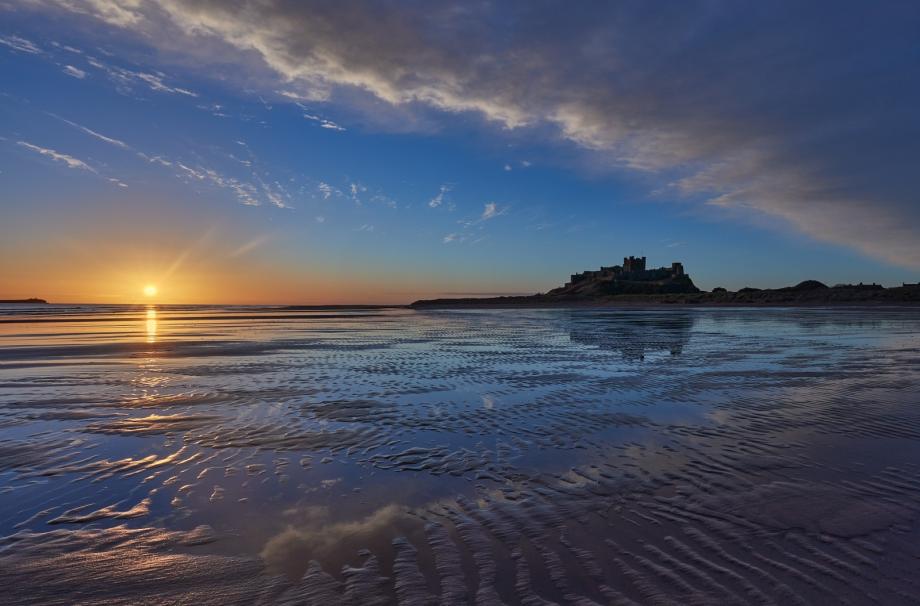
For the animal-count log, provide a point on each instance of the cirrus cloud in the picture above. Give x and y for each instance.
(802, 111)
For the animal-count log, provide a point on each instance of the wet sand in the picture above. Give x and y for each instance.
(527, 456)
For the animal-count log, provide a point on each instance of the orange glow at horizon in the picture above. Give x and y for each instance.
(188, 268)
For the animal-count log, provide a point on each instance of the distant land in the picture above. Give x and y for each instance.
(23, 301)
(633, 284)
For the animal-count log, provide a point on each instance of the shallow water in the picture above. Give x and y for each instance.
(262, 455)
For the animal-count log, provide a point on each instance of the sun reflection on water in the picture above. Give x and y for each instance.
(151, 325)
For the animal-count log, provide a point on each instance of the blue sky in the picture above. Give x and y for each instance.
(384, 152)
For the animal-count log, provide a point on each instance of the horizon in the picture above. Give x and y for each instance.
(232, 159)
(147, 301)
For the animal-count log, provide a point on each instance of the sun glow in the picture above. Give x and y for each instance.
(150, 290)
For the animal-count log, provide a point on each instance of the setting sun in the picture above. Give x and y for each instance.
(150, 290)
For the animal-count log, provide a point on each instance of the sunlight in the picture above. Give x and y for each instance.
(150, 290)
(151, 325)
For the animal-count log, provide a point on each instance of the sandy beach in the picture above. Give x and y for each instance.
(711, 456)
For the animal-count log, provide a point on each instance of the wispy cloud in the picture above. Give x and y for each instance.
(92, 133)
(126, 79)
(628, 106)
(438, 199)
(155, 159)
(325, 189)
(275, 193)
(69, 49)
(309, 94)
(324, 123)
(246, 193)
(472, 229)
(57, 156)
(20, 44)
(155, 82)
(356, 189)
(70, 70)
(490, 211)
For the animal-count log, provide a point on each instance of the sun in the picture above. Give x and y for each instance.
(150, 290)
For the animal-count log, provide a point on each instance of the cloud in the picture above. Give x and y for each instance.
(70, 70)
(304, 95)
(328, 124)
(246, 193)
(20, 44)
(438, 199)
(57, 156)
(116, 12)
(155, 159)
(71, 161)
(472, 229)
(786, 108)
(126, 79)
(356, 189)
(155, 82)
(325, 189)
(92, 133)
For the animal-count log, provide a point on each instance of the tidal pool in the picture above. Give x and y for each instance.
(222, 455)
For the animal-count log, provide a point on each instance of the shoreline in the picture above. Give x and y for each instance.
(700, 300)
(658, 305)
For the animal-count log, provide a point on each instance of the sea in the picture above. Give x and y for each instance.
(336, 455)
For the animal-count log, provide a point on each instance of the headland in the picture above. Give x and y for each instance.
(633, 284)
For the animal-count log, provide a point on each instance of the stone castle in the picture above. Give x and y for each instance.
(633, 268)
(632, 277)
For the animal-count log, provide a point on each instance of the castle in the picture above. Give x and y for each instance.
(632, 277)
(633, 269)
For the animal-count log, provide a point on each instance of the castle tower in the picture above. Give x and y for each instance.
(631, 264)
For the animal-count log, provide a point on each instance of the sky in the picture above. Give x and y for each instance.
(381, 152)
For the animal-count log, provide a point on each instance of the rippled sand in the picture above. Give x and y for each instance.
(240, 455)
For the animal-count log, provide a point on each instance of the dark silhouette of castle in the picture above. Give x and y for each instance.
(632, 277)
(633, 268)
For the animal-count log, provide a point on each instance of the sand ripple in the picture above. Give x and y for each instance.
(514, 456)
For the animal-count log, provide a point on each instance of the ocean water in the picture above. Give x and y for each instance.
(222, 455)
